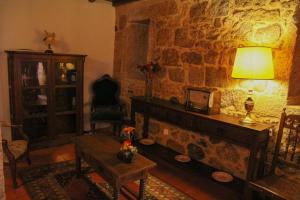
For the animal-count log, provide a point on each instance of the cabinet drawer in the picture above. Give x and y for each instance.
(157, 112)
(181, 119)
(139, 107)
(235, 134)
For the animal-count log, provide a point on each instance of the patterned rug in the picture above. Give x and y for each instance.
(58, 182)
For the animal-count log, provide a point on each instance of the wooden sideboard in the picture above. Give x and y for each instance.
(228, 128)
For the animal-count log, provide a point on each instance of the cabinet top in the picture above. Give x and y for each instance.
(30, 52)
(226, 119)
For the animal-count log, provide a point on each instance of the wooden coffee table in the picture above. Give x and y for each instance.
(100, 152)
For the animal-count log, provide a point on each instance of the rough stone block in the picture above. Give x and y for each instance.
(136, 47)
(175, 146)
(215, 77)
(154, 127)
(184, 137)
(268, 35)
(204, 44)
(211, 57)
(198, 9)
(195, 152)
(196, 76)
(182, 39)
(170, 57)
(122, 22)
(176, 75)
(168, 7)
(219, 8)
(257, 15)
(228, 152)
(191, 58)
(163, 37)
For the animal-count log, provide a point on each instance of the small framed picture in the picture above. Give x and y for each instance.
(201, 100)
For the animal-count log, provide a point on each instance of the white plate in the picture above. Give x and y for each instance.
(146, 141)
(182, 158)
(222, 176)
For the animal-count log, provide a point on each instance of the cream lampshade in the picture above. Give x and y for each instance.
(254, 63)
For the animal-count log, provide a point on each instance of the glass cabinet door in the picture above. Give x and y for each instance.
(65, 97)
(34, 88)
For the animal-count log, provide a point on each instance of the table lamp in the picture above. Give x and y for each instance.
(253, 63)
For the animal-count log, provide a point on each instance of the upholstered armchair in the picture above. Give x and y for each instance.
(106, 105)
(15, 150)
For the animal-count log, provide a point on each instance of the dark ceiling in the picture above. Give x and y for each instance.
(118, 2)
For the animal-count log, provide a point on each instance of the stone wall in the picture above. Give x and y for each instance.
(195, 43)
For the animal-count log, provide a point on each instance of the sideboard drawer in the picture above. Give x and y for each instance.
(139, 107)
(227, 132)
(234, 134)
(157, 112)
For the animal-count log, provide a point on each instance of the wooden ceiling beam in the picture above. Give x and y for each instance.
(116, 2)
(119, 2)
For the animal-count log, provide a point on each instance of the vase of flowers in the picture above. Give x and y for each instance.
(149, 70)
(128, 150)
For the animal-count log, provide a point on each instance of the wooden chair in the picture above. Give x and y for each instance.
(106, 105)
(283, 179)
(15, 150)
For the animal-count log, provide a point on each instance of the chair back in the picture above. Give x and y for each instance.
(287, 147)
(105, 92)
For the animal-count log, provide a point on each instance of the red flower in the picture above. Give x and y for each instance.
(129, 130)
(149, 68)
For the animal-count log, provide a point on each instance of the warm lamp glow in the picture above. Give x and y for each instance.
(253, 63)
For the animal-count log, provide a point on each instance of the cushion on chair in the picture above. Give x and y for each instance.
(17, 148)
(106, 114)
(286, 186)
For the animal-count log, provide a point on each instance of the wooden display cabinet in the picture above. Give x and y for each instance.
(46, 95)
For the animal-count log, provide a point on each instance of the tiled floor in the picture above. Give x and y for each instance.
(193, 186)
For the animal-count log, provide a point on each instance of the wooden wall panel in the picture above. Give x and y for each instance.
(294, 82)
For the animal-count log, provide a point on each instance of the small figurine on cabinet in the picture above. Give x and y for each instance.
(49, 39)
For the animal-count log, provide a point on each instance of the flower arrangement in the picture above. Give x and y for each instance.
(127, 134)
(149, 69)
(127, 150)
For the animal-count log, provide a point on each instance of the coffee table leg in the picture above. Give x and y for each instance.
(116, 194)
(142, 189)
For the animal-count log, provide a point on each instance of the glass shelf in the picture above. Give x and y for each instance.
(35, 102)
(33, 74)
(65, 86)
(36, 115)
(35, 87)
(66, 113)
(65, 99)
(66, 73)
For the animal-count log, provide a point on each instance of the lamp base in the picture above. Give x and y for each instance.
(247, 120)
(249, 105)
